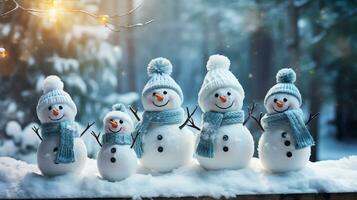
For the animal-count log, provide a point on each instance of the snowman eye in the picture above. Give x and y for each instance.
(154, 93)
(285, 99)
(111, 120)
(275, 100)
(228, 93)
(121, 121)
(49, 107)
(216, 95)
(60, 107)
(165, 92)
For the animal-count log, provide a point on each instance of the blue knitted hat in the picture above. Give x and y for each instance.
(285, 79)
(159, 69)
(53, 93)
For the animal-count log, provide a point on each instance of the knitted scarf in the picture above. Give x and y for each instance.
(211, 122)
(174, 116)
(291, 121)
(67, 131)
(117, 138)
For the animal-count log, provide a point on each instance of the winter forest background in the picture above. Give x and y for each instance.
(101, 67)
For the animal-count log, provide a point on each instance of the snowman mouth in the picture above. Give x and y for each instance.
(55, 119)
(115, 131)
(225, 107)
(281, 111)
(162, 104)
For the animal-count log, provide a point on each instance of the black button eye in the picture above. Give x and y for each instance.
(228, 93)
(165, 92)
(49, 107)
(275, 100)
(154, 93)
(60, 107)
(111, 120)
(121, 121)
(216, 95)
(285, 99)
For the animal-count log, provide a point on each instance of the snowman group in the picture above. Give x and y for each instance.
(160, 140)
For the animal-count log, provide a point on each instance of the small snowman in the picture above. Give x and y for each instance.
(286, 142)
(225, 143)
(116, 159)
(61, 150)
(160, 142)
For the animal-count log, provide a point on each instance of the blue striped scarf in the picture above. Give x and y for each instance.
(211, 122)
(117, 138)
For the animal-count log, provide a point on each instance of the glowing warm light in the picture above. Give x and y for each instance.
(3, 53)
(52, 14)
(103, 19)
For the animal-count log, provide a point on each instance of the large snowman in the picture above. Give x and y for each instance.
(285, 143)
(61, 151)
(225, 143)
(160, 143)
(116, 159)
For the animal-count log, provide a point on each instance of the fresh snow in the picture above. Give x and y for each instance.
(21, 180)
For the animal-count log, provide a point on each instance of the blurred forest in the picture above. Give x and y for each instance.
(100, 67)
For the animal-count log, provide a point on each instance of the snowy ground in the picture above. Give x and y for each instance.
(21, 180)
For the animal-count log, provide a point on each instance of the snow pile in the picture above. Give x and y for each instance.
(21, 180)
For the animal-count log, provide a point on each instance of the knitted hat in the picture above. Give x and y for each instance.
(218, 76)
(119, 110)
(285, 79)
(159, 69)
(53, 93)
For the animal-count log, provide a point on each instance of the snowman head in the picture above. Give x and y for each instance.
(161, 92)
(55, 105)
(284, 95)
(118, 120)
(220, 90)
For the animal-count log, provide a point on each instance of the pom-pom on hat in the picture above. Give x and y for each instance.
(53, 93)
(118, 111)
(159, 71)
(218, 76)
(285, 79)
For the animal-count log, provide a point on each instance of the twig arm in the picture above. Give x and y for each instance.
(135, 113)
(258, 121)
(311, 117)
(97, 137)
(35, 129)
(88, 126)
(189, 118)
(250, 113)
(134, 140)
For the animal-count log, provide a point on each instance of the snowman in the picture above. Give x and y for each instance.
(225, 143)
(61, 150)
(286, 142)
(160, 143)
(116, 159)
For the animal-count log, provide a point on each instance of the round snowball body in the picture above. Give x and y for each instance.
(167, 147)
(161, 99)
(234, 148)
(222, 100)
(279, 103)
(116, 162)
(57, 113)
(277, 152)
(46, 156)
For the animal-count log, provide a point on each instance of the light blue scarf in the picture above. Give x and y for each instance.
(117, 138)
(67, 131)
(211, 122)
(174, 116)
(291, 121)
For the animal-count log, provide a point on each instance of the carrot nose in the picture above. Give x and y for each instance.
(114, 124)
(223, 98)
(55, 112)
(159, 97)
(279, 104)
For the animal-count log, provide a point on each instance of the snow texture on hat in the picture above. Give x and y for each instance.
(160, 69)
(285, 79)
(53, 93)
(119, 111)
(218, 76)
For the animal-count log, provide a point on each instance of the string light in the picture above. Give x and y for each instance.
(3, 53)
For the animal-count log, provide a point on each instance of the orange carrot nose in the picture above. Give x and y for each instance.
(279, 104)
(55, 112)
(114, 124)
(223, 98)
(159, 97)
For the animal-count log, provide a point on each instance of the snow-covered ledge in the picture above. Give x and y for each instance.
(19, 179)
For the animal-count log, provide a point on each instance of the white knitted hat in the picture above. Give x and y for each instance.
(119, 111)
(218, 76)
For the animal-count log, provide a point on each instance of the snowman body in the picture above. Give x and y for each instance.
(234, 147)
(277, 152)
(167, 147)
(116, 162)
(47, 152)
